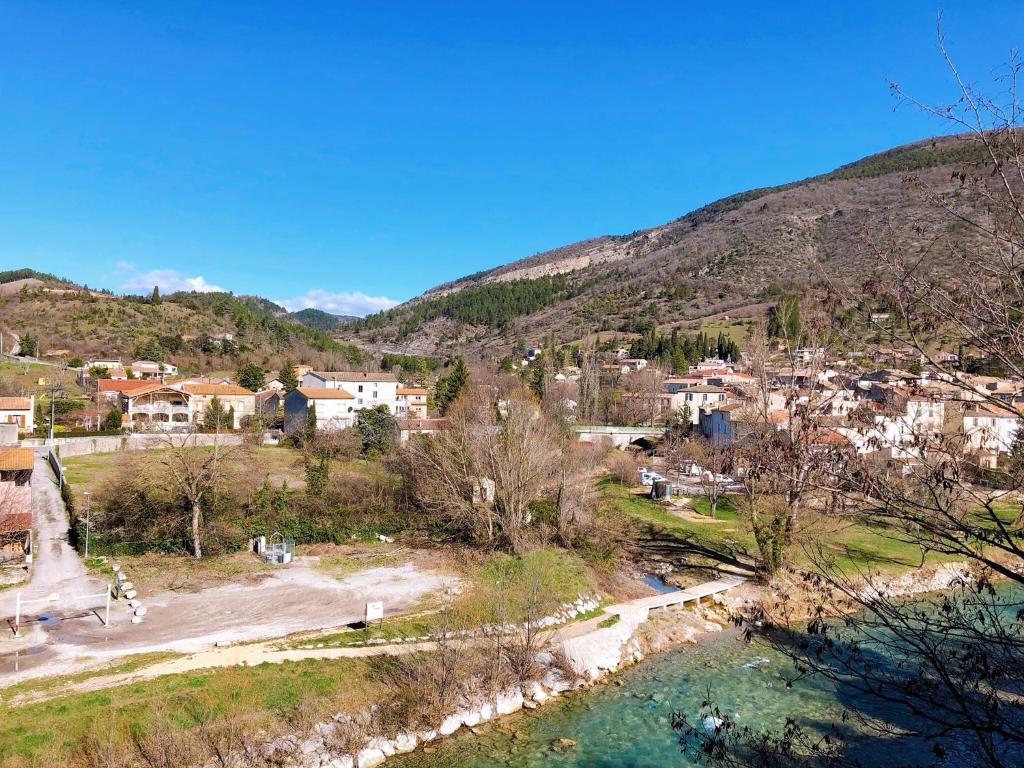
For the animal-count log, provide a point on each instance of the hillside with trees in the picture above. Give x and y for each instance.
(207, 331)
(816, 237)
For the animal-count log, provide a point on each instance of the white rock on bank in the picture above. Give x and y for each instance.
(472, 718)
(486, 712)
(536, 692)
(427, 736)
(405, 742)
(450, 724)
(343, 761)
(370, 758)
(384, 745)
(508, 702)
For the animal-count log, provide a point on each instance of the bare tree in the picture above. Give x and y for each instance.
(712, 461)
(194, 472)
(497, 456)
(949, 667)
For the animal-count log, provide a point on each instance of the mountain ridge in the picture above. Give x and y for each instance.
(722, 257)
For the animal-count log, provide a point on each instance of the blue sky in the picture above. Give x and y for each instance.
(349, 155)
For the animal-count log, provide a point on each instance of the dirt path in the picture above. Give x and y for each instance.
(294, 599)
(270, 653)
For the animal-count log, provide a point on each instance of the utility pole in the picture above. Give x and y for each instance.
(88, 507)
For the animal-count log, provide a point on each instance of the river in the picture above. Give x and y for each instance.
(626, 723)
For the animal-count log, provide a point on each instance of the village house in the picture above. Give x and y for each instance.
(155, 406)
(335, 408)
(696, 398)
(368, 389)
(233, 398)
(111, 391)
(412, 402)
(409, 427)
(150, 369)
(990, 429)
(20, 411)
(268, 401)
(15, 504)
(633, 364)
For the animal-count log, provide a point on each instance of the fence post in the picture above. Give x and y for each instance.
(17, 615)
(106, 620)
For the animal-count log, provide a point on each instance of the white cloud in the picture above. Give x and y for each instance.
(169, 280)
(340, 303)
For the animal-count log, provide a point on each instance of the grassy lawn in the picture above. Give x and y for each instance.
(849, 545)
(268, 695)
(735, 330)
(726, 509)
(92, 472)
(24, 377)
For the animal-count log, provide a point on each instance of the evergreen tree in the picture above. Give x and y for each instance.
(112, 421)
(311, 422)
(378, 429)
(250, 376)
(28, 346)
(155, 298)
(784, 319)
(215, 417)
(287, 376)
(451, 385)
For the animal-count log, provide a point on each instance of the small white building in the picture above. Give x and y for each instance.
(368, 389)
(696, 398)
(20, 411)
(412, 402)
(335, 408)
(988, 428)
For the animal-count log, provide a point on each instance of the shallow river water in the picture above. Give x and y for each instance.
(626, 723)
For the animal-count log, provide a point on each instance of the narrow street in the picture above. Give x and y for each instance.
(56, 566)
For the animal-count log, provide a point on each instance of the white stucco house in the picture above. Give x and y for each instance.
(988, 428)
(20, 411)
(368, 389)
(335, 408)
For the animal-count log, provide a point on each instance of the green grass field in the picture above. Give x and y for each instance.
(50, 733)
(848, 545)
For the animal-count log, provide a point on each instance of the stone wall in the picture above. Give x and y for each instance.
(82, 446)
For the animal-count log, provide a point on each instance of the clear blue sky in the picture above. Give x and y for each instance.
(376, 149)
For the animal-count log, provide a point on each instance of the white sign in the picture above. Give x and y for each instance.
(374, 612)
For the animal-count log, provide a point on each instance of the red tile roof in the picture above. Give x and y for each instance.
(216, 389)
(17, 458)
(15, 404)
(319, 393)
(123, 386)
(16, 523)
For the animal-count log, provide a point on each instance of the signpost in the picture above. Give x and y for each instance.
(375, 612)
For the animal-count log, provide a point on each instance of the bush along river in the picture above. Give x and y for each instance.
(627, 722)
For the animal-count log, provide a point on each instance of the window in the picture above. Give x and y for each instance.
(360, 389)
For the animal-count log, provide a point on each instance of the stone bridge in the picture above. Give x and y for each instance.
(620, 436)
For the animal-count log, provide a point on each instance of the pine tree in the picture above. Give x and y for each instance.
(155, 298)
(250, 376)
(287, 376)
(215, 418)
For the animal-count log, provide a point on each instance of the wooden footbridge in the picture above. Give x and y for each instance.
(694, 594)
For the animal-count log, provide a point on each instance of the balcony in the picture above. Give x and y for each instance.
(165, 409)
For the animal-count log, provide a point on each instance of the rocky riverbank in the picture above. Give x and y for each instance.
(619, 638)
(624, 636)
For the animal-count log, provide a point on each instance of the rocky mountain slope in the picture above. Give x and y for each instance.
(732, 256)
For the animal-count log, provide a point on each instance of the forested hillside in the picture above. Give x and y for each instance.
(206, 331)
(816, 238)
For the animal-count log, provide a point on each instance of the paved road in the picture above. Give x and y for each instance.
(56, 565)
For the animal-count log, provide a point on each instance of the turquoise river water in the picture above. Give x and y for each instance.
(627, 723)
